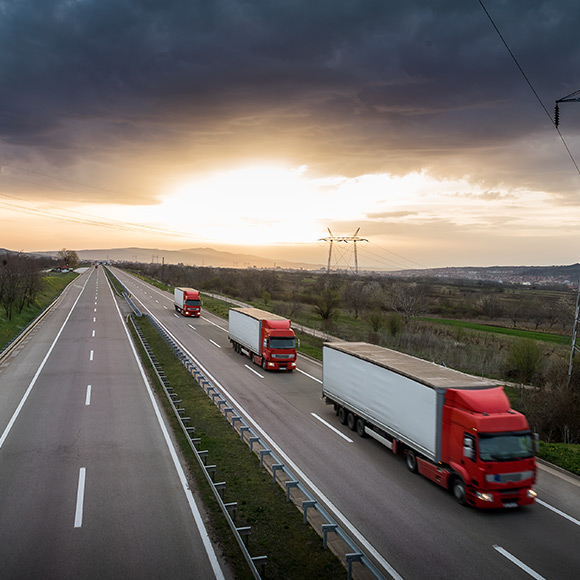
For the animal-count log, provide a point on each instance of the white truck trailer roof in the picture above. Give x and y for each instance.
(259, 314)
(422, 371)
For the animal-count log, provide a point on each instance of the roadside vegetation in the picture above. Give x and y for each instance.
(293, 548)
(516, 334)
(27, 288)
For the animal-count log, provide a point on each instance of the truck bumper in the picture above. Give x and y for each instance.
(504, 499)
(276, 366)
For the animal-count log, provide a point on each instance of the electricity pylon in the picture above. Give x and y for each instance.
(347, 239)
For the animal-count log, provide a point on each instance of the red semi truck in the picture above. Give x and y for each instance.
(455, 429)
(187, 301)
(265, 337)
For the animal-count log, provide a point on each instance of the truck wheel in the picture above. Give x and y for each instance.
(360, 427)
(411, 460)
(351, 421)
(458, 489)
(343, 415)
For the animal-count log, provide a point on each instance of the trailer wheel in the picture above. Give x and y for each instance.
(360, 427)
(411, 460)
(458, 489)
(343, 415)
(351, 421)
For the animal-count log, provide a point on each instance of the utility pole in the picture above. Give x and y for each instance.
(574, 335)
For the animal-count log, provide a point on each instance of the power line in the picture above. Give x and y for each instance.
(530, 85)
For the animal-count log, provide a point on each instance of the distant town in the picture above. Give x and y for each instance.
(525, 275)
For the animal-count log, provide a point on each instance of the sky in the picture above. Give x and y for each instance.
(264, 126)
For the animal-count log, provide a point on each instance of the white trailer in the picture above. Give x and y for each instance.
(245, 327)
(397, 394)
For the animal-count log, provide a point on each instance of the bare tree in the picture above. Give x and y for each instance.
(68, 258)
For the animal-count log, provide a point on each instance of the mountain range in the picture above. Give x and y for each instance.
(188, 257)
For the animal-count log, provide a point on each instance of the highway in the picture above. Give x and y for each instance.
(90, 483)
(413, 527)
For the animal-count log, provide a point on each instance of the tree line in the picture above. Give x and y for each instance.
(19, 282)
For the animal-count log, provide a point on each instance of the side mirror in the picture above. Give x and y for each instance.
(468, 448)
(298, 343)
(536, 443)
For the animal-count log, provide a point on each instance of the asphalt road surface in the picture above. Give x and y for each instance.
(90, 484)
(412, 526)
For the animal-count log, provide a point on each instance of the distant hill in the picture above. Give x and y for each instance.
(188, 257)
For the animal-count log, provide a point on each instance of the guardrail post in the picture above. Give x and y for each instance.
(232, 508)
(262, 453)
(211, 471)
(242, 431)
(326, 528)
(261, 562)
(221, 488)
(289, 486)
(350, 558)
(252, 441)
(244, 534)
(275, 468)
(305, 505)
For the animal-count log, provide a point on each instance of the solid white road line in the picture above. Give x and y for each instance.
(297, 471)
(88, 399)
(518, 563)
(37, 374)
(219, 575)
(80, 497)
(309, 376)
(331, 427)
(254, 371)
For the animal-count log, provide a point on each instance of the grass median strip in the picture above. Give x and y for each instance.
(293, 548)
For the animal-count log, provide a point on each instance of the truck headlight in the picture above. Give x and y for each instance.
(532, 494)
(271, 364)
(484, 496)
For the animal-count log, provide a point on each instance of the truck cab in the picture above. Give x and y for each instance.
(278, 345)
(489, 448)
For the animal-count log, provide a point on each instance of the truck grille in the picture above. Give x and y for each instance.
(282, 356)
(509, 477)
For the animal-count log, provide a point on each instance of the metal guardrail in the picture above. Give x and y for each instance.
(124, 294)
(314, 513)
(229, 509)
(313, 510)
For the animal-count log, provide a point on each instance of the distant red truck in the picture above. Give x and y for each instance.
(264, 337)
(187, 301)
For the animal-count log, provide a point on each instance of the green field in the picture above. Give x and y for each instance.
(543, 336)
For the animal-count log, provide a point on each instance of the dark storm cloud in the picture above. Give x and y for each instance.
(345, 86)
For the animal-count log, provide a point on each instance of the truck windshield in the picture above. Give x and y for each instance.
(282, 342)
(193, 302)
(505, 446)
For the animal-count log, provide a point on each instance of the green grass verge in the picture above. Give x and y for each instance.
(293, 548)
(543, 336)
(563, 455)
(52, 285)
